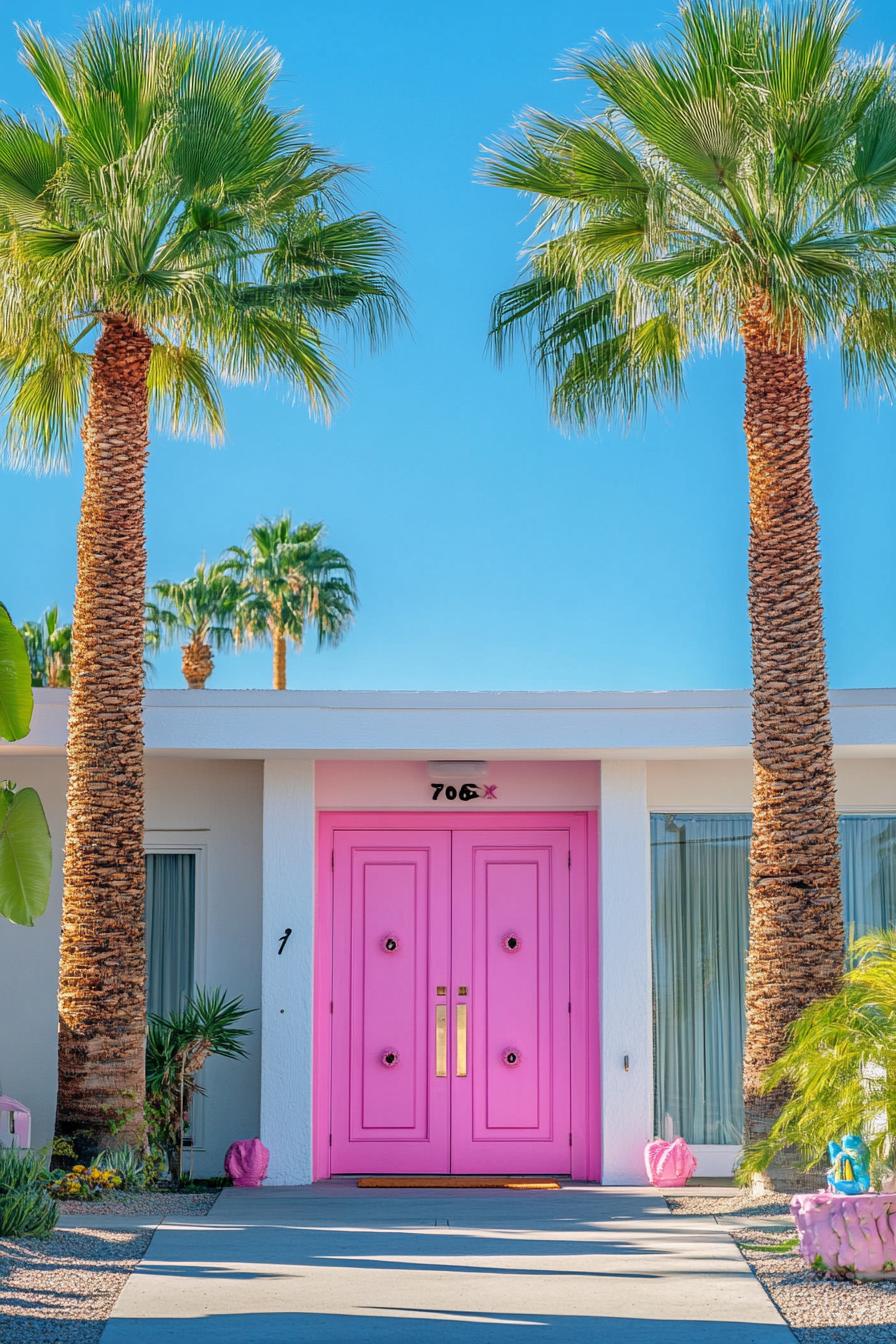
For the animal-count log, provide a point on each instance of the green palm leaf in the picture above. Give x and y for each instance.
(26, 856)
(170, 186)
(746, 152)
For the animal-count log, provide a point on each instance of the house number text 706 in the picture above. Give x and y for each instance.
(465, 793)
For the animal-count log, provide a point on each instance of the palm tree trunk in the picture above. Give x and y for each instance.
(102, 992)
(796, 929)
(279, 642)
(197, 663)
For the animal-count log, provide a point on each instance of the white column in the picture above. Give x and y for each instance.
(287, 979)
(625, 970)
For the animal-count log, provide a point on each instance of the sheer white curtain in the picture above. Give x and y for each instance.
(700, 867)
(170, 930)
(868, 867)
(700, 871)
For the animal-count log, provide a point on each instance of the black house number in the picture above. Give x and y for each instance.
(465, 793)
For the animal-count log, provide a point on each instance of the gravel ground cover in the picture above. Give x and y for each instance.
(818, 1310)
(61, 1291)
(143, 1204)
(725, 1205)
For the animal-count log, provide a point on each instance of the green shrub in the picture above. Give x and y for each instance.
(26, 1208)
(83, 1182)
(27, 1211)
(838, 1067)
(126, 1163)
(176, 1049)
(20, 1167)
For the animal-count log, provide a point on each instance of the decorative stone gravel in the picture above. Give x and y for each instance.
(722, 1205)
(142, 1204)
(824, 1311)
(818, 1310)
(61, 1291)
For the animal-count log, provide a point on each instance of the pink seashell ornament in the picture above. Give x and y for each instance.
(669, 1163)
(246, 1162)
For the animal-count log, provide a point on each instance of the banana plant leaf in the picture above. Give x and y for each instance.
(26, 856)
(16, 696)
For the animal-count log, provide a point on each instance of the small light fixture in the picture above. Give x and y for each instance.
(461, 772)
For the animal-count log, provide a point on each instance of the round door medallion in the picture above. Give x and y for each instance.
(390, 943)
(511, 1058)
(510, 942)
(389, 1059)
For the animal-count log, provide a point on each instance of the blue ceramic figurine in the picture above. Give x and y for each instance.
(848, 1173)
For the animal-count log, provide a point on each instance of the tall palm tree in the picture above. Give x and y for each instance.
(292, 582)
(165, 224)
(49, 645)
(204, 608)
(733, 187)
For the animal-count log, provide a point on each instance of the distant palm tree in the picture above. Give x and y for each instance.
(168, 223)
(734, 187)
(204, 608)
(292, 583)
(49, 645)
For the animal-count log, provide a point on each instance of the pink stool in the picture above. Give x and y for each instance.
(15, 1124)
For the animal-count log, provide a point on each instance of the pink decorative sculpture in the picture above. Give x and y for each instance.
(669, 1163)
(246, 1162)
(847, 1236)
(16, 1122)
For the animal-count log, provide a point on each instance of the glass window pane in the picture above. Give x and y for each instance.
(868, 865)
(170, 930)
(700, 873)
(700, 920)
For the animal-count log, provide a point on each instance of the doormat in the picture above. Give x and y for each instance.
(455, 1183)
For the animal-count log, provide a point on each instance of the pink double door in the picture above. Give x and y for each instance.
(451, 1000)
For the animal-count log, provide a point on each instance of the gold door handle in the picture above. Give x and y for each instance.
(441, 1040)
(460, 1037)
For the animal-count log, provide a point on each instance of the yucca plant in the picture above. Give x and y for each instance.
(205, 608)
(164, 225)
(26, 1207)
(839, 1066)
(292, 583)
(733, 187)
(176, 1049)
(126, 1162)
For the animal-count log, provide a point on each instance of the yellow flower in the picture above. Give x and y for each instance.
(79, 1167)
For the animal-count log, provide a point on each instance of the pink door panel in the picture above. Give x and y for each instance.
(510, 1108)
(391, 911)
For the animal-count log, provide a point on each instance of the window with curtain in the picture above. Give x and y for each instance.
(170, 930)
(700, 869)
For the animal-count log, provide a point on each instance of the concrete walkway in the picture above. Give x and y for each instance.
(331, 1263)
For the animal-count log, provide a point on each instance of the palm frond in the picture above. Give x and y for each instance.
(746, 151)
(184, 393)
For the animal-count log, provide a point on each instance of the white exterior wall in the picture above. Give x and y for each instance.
(626, 1018)
(215, 803)
(287, 978)
(207, 782)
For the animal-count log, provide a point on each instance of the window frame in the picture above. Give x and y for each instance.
(719, 1159)
(193, 842)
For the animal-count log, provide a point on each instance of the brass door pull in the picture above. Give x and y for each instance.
(460, 1036)
(441, 1040)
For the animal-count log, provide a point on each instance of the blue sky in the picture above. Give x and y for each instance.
(491, 550)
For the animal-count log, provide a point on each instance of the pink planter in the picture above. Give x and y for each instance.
(847, 1236)
(246, 1162)
(669, 1164)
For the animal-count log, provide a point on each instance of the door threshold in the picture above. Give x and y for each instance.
(458, 1183)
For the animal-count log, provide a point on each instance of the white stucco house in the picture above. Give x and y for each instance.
(483, 932)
